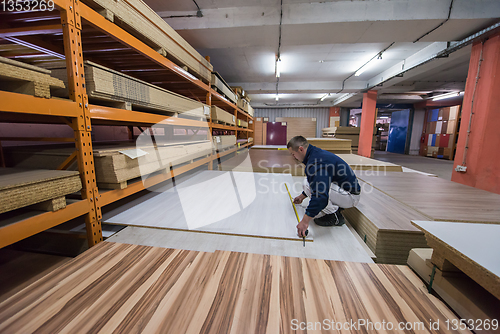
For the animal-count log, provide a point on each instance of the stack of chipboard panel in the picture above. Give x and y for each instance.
(440, 133)
(242, 123)
(223, 142)
(352, 133)
(221, 116)
(334, 145)
(222, 87)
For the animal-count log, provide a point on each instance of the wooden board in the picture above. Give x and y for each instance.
(360, 163)
(334, 145)
(386, 226)
(472, 248)
(439, 199)
(467, 298)
(264, 161)
(141, 21)
(269, 147)
(222, 142)
(109, 85)
(255, 205)
(27, 79)
(20, 188)
(298, 126)
(125, 288)
(221, 116)
(258, 131)
(221, 86)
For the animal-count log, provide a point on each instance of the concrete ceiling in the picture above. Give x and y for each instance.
(324, 42)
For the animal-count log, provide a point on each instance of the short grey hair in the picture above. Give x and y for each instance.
(296, 142)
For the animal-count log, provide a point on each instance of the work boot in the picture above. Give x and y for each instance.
(327, 220)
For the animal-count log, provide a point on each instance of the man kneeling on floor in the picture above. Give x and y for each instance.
(330, 184)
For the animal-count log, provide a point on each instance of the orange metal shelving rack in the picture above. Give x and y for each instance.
(75, 19)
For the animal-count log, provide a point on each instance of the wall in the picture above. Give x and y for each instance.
(418, 127)
(321, 114)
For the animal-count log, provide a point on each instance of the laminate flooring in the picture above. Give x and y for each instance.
(235, 203)
(120, 288)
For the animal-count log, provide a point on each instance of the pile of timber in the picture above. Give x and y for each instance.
(243, 124)
(18, 77)
(221, 116)
(46, 189)
(137, 18)
(223, 142)
(222, 87)
(334, 145)
(104, 84)
(298, 126)
(114, 166)
(328, 132)
(352, 133)
(385, 225)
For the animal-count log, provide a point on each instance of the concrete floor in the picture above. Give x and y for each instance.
(440, 167)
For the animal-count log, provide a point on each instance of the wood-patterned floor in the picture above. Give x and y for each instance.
(121, 288)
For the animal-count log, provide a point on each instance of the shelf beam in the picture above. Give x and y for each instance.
(27, 104)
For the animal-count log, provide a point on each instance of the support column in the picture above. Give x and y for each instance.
(345, 116)
(478, 143)
(368, 115)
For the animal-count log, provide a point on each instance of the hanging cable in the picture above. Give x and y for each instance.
(427, 33)
(198, 13)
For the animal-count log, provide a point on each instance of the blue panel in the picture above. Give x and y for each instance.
(398, 130)
(435, 115)
(440, 156)
(434, 140)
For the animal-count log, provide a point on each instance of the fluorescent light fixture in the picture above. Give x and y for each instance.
(277, 97)
(278, 68)
(368, 65)
(383, 117)
(324, 97)
(446, 96)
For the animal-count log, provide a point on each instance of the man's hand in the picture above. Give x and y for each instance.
(303, 225)
(299, 199)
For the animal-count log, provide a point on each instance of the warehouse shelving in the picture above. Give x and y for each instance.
(72, 32)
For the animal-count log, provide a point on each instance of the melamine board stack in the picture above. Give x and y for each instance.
(141, 21)
(114, 168)
(21, 187)
(298, 126)
(222, 142)
(222, 87)
(334, 145)
(121, 288)
(22, 78)
(221, 116)
(104, 84)
(386, 226)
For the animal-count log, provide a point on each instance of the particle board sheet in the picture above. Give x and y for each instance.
(136, 17)
(464, 296)
(120, 288)
(223, 87)
(235, 203)
(21, 187)
(358, 162)
(222, 142)
(439, 199)
(269, 147)
(106, 84)
(298, 126)
(28, 79)
(221, 116)
(112, 166)
(386, 226)
(264, 161)
(258, 131)
(334, 145)
(472, 248)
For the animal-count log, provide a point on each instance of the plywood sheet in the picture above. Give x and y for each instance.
(235, 203)
(358, 162)
(439, 199)
(125, 288)
(473, 248)
(20, 187)
(140, 20)
(333, 145)
(298, 126)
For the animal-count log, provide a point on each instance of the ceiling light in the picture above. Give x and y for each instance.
(446, 96)
(321, 61)
(324, 97)
(278, 67)
(383, 117)
(368, 65)
(277, 97)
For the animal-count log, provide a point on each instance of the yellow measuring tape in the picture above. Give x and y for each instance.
(293, 204)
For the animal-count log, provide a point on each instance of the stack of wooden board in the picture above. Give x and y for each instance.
(22, 78)
(242, 123)
(222, 87)
(221, 116)
(258, 131)
(359, 163)
(328, 132)
(299, 126)
(472, 248)
(385, 225)
(116, 165)
(352, 133)
(141, 21)
(334, 145)
(123, 288)
(264, 161)
(251, 112)
(437, 198)
(104, 84)
(222, 142)
(46, 188)
(440, 133)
